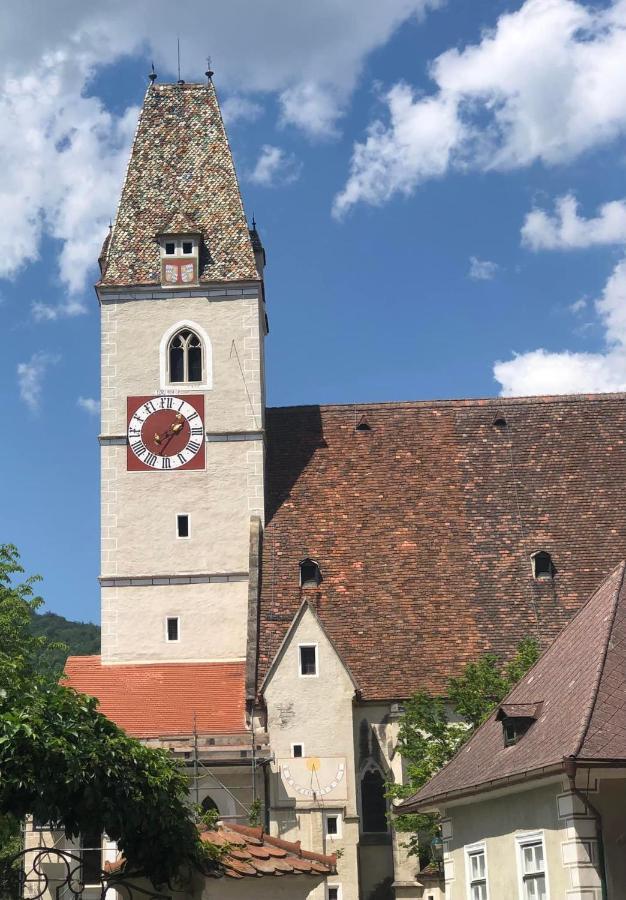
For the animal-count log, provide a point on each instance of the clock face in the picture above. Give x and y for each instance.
(316, 777)
(165, 433)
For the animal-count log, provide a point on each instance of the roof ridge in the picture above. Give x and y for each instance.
(594, 697)
(488, 402)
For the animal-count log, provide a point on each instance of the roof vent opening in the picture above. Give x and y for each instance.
(542, 566)
(500, 422)
(363, 424)
(310, 573)
(517, 719)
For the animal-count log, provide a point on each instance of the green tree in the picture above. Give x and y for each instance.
(430, 731)
(64, 762)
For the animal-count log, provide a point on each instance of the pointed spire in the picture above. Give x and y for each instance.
(152, 76)
(209, 69)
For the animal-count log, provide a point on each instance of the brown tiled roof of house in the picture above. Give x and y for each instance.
(250, 852)
(164, 698)
(424, 527)
(580, 682)
(180, 166)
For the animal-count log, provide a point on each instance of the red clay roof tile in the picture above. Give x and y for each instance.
(162, 698)
(424, 527)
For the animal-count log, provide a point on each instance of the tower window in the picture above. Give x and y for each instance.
(209, 805)
(171, 628)
(182, 525)
(310, 573)
(187, 247)
(373, 802)
(308, 659)
(297, 751)
(542, 565)
(332, 824)
(170, 248)
(185, 357)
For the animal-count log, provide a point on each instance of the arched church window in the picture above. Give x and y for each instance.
(373, 801)
(209, 805)
(543, 566)
(185, 357)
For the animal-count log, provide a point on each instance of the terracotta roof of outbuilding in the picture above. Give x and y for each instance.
(580, 681)
(252, 852)
(163, 698)
(180, 166)
(424, 525)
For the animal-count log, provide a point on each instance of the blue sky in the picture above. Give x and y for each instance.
(439, 187)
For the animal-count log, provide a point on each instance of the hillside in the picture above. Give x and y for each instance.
(81, 638)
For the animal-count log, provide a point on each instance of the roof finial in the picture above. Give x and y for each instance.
(152, 76)
(253, 222)
(180, 80)
(209, 71)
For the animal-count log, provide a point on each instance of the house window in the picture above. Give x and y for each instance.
(333, 892)
(91, 857)
(182, 525)
(477, 873)
(373, 802)
(171, 628)
(532, 867)
(310, 573)
(185, 357)
(543, 567)
(308, 659)
(332, 824)
(515, 728)
(297, 751)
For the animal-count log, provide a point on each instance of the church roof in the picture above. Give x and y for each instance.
(580, 682)
(425, 524)
(180, 166)
(159, 699)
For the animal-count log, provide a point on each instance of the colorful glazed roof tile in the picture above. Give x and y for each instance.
(180, 223)
(425, 524)
(163, 698)
(578, 688)
(181, 167)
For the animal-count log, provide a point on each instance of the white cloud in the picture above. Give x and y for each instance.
(482, 269)
(578, 306)
(566, 230)
(30, 377)
(237, 108)
(90, 405)
(545, 85)
(542, 372)
(274, 167)
(45, 312)
(312, 107)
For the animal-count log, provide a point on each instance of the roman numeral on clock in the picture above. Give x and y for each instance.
(197, 431)
(151, 459)
(165, 462)
(193, 446)
(139, 448)
(182, 458)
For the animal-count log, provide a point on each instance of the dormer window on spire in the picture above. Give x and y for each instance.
(179, 244)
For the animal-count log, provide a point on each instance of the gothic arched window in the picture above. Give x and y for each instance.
(373, 801)
(185, 357)
(310, 573)
(209, 804)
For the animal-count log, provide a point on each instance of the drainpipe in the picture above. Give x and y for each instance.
(569, 764)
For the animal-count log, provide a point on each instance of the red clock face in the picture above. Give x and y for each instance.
(165, 433)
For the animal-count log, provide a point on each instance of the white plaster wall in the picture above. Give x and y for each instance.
(138, 518)
(318, 713)
(141, 539)
(496, 822)
(212, 622)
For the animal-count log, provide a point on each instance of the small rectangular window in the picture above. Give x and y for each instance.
(172, 628)
(332, 825)
(170, 248)
(533, 870)
(333, 892)
(297, 750)
(187, 247)
(477, 870)
(182, 525)
(308, 659)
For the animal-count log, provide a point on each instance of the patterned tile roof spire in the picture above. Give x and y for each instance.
(181, 166)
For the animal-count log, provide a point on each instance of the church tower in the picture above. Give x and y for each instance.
(183, 325)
